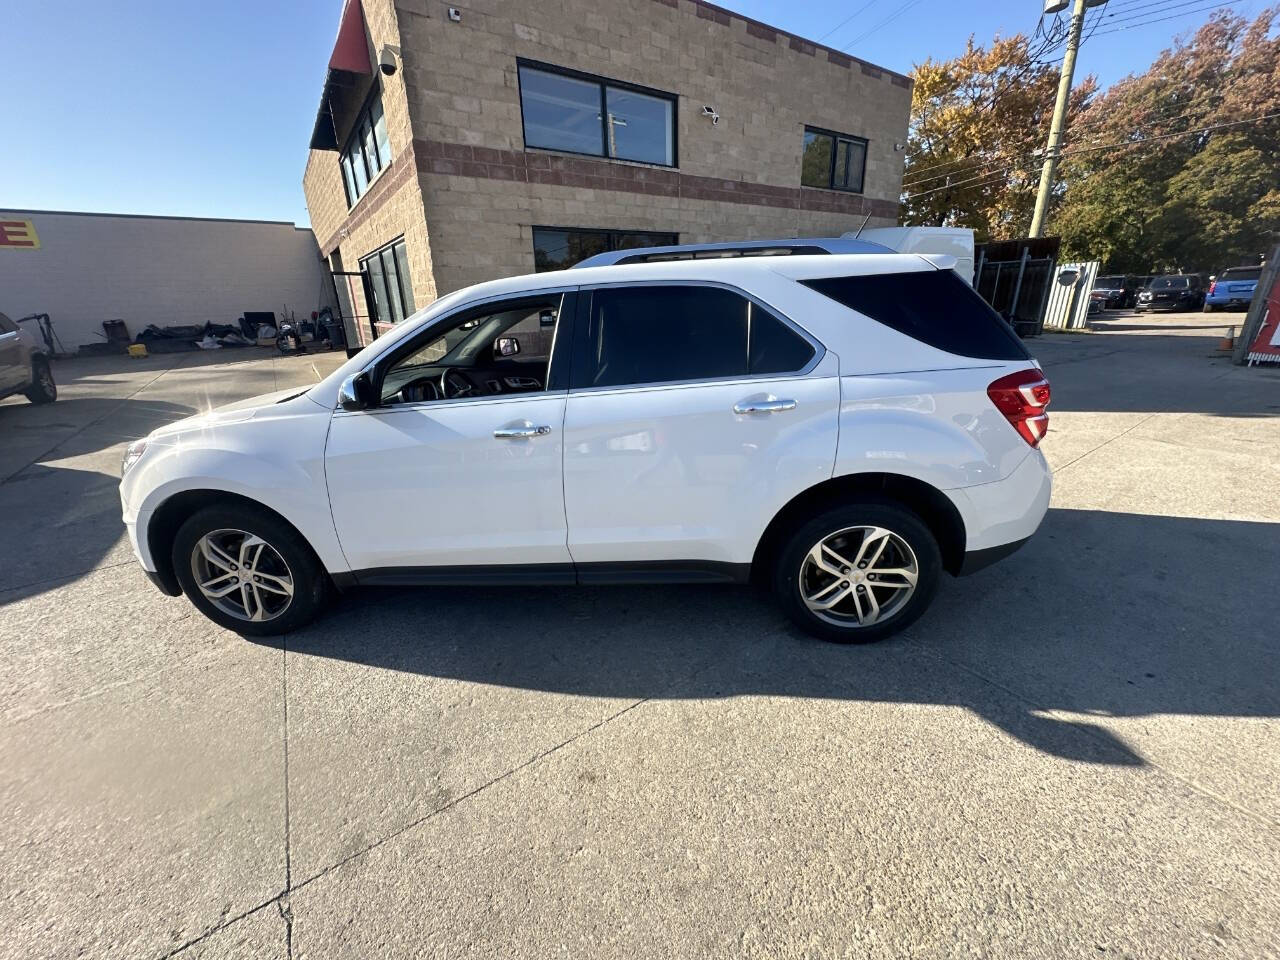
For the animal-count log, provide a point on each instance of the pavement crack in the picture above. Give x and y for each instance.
(1107, 441)
(62, 577)
(284, 682)
(1067, 719)
(470, 793)
(286, 914)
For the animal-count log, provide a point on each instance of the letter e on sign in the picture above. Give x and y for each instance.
(18, 235)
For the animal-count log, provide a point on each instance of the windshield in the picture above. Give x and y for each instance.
(1241, 273)
(1110, 283)
(1170, 283)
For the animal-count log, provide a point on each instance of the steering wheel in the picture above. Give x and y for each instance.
(454, 384)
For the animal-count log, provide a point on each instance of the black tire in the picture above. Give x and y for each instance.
(311, 584)
(42, 389)
(890, 516)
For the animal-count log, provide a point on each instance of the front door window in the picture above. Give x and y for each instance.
(501, 350)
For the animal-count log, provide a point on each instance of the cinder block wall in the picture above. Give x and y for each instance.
(392, 207)
(466, 194)
(161, 270)
(483, 192)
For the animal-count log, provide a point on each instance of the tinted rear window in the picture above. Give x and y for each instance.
(935, 307)
(1241, 273)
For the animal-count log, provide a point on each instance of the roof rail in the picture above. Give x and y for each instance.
(796, 246)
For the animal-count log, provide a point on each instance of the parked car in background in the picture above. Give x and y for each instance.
(846, 429)
(1232, 289)
(1183, 291)
(1118, 292)
(24, 365)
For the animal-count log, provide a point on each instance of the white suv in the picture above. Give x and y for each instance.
(844, 428)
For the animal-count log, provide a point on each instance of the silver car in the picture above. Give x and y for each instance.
(24, 365)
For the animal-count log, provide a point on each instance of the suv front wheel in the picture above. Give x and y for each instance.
(248, 570)
(858, 573)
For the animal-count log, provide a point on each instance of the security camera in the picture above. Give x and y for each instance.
(711, 112)
(388, 59)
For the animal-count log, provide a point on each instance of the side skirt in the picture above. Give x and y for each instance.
(548, 574)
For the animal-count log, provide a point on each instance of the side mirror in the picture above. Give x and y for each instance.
(356, 392)
(506, 347)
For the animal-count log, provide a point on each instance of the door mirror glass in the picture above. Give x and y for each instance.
(506, 347)
(356, 392)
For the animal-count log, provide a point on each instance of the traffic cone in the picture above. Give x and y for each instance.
(1228, 340)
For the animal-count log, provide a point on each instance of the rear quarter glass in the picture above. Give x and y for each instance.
(935, 307)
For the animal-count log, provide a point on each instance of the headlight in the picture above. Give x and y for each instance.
(132, 455)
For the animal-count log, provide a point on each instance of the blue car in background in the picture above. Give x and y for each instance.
(1232, 289)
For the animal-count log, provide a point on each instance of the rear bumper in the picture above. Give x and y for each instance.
(1001, 516)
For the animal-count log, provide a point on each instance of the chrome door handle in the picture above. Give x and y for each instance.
(520, 433)
(763, 406)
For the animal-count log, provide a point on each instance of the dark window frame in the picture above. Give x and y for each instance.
(602, 83)
(611, 233)
(836, 137)
(356, 138)
(403, 299)
(583, 347)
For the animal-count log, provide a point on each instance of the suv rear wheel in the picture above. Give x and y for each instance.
(859, 572)
(248, 570)
(42, 389)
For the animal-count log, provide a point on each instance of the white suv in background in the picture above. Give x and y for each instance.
(845, 428)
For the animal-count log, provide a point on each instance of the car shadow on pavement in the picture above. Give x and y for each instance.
(1101, 615)
(59, 486)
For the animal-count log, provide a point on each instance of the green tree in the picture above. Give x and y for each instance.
(1153, 180)
(977, 121)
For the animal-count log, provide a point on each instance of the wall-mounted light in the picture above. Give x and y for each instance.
(455, 14)
(711, 112)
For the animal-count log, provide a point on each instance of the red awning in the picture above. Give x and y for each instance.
(350, 59)
(351, 49)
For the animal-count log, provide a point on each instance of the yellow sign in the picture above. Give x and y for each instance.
(18, 235)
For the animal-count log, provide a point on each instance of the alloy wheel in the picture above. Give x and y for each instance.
(242, 575)
(858, 576)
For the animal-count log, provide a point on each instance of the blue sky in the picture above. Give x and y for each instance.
(204, 108)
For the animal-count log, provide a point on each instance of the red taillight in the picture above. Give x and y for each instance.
(1213, 286)
(1022, 397)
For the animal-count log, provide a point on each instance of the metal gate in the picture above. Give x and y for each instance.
(1015, 277)
(354, 296)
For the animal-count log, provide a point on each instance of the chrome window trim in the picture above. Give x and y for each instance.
(819, 349)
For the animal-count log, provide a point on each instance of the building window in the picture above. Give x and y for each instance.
(833, 161)
(368, 151)
(558, 248)
(579, 113)
(388, 273)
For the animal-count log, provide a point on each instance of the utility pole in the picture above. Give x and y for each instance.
(1059, 117)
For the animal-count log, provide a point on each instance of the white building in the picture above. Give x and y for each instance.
(84, 268)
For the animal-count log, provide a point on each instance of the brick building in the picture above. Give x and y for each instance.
(520, 136)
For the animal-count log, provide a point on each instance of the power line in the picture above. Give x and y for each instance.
(1004, 155)
(883, 23)
(1090, 148)
(837, 27)
(1138, 13)
(1185, 13)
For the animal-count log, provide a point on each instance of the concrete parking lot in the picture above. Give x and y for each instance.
(1075, 753)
